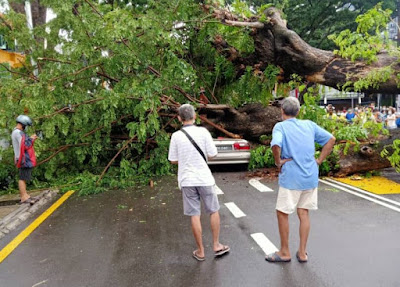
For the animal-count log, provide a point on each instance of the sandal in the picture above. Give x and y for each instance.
(198, 258)
(30, 200)
(301, 260)
(274, 257)
(225, 249)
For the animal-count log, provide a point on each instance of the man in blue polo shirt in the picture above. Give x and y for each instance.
(293, 146)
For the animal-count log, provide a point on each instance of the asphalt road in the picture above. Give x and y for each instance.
(139, 237)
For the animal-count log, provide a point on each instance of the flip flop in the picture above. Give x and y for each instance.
(198, 258)
(225, 249)
(30, 200)
(274, 257)
(299, 259)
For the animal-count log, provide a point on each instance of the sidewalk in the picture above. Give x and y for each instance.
(10, 202)
(12, 214)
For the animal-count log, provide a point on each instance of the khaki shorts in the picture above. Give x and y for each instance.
(290, 199)
(191, 199)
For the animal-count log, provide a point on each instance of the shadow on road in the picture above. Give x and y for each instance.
(229, 167)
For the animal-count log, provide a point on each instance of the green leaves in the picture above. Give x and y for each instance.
(392, 153)
(261, 157)
(367, 41)
(95, 88)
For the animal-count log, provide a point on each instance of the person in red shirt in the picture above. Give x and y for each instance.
(24, 156)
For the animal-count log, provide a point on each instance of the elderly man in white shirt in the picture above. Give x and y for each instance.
(189, 149)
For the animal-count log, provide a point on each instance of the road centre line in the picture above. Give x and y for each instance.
(364, 192)
(234, 209)
(266, 245)
(27, 231)
(361, 195)
(218, 191)
(255, 182)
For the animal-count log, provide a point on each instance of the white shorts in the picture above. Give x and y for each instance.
(290, 199)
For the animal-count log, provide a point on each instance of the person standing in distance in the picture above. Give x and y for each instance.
(293, 147)
(24, 156)
(195, 178)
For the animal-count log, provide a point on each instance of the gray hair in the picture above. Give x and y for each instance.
(186, 112)
(291, 106)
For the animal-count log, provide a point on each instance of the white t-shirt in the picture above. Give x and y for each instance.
(192, 169)
(391, 121)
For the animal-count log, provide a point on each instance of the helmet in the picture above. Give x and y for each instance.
(24, 120)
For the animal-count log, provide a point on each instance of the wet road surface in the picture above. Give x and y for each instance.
(139, 237)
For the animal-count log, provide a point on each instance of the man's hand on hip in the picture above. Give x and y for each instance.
(282, 162)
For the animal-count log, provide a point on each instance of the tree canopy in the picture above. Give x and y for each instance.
(108, 79)
(315, 20)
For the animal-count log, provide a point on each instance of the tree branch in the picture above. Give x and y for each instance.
(94, 8)
(257, 25)
(54, 60)
(75, 73)
(5, 22)
(115, 156)
(229, 134)
(99, 128)
(70, 108)
(20, 74)
(61, 149)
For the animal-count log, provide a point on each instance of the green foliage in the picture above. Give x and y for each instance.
(241, 8)
(314, 20)
(375, 129)
(252, 87)
(100, 91)
(238, 38)
(330, 164)
(367, 41)
(392, 153)
(261, 157)
(310, 109)
(373, 79)
(265, 137)
(351, 133)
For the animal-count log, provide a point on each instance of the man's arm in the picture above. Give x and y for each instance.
(276, 151)
(326, 150)
(173, 151)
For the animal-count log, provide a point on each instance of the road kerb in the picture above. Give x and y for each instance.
(27, 231)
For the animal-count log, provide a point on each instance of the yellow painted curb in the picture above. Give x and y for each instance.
(27, 231)
(375, 184)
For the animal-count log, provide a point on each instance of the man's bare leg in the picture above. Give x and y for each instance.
(215, 228)
(283, 224)
(22, 190)
(304, 231)
(197, 233)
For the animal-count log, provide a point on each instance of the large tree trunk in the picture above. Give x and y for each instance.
(253, 120)
(276, 44)
(250, 121)
(367, 159)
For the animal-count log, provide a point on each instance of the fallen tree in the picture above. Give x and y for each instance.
(106, 92)
(276, 44)
(365, 158)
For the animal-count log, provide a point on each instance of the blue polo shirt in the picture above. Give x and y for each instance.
(297, 139)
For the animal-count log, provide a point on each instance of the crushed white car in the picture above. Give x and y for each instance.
(231, 151)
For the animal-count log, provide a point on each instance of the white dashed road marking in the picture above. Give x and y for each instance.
(255, 182)
(218, 191)
(266, 245)
(234, 209)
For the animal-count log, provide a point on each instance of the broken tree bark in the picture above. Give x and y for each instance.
(276, 44)
(250, 121)
(367, 159)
